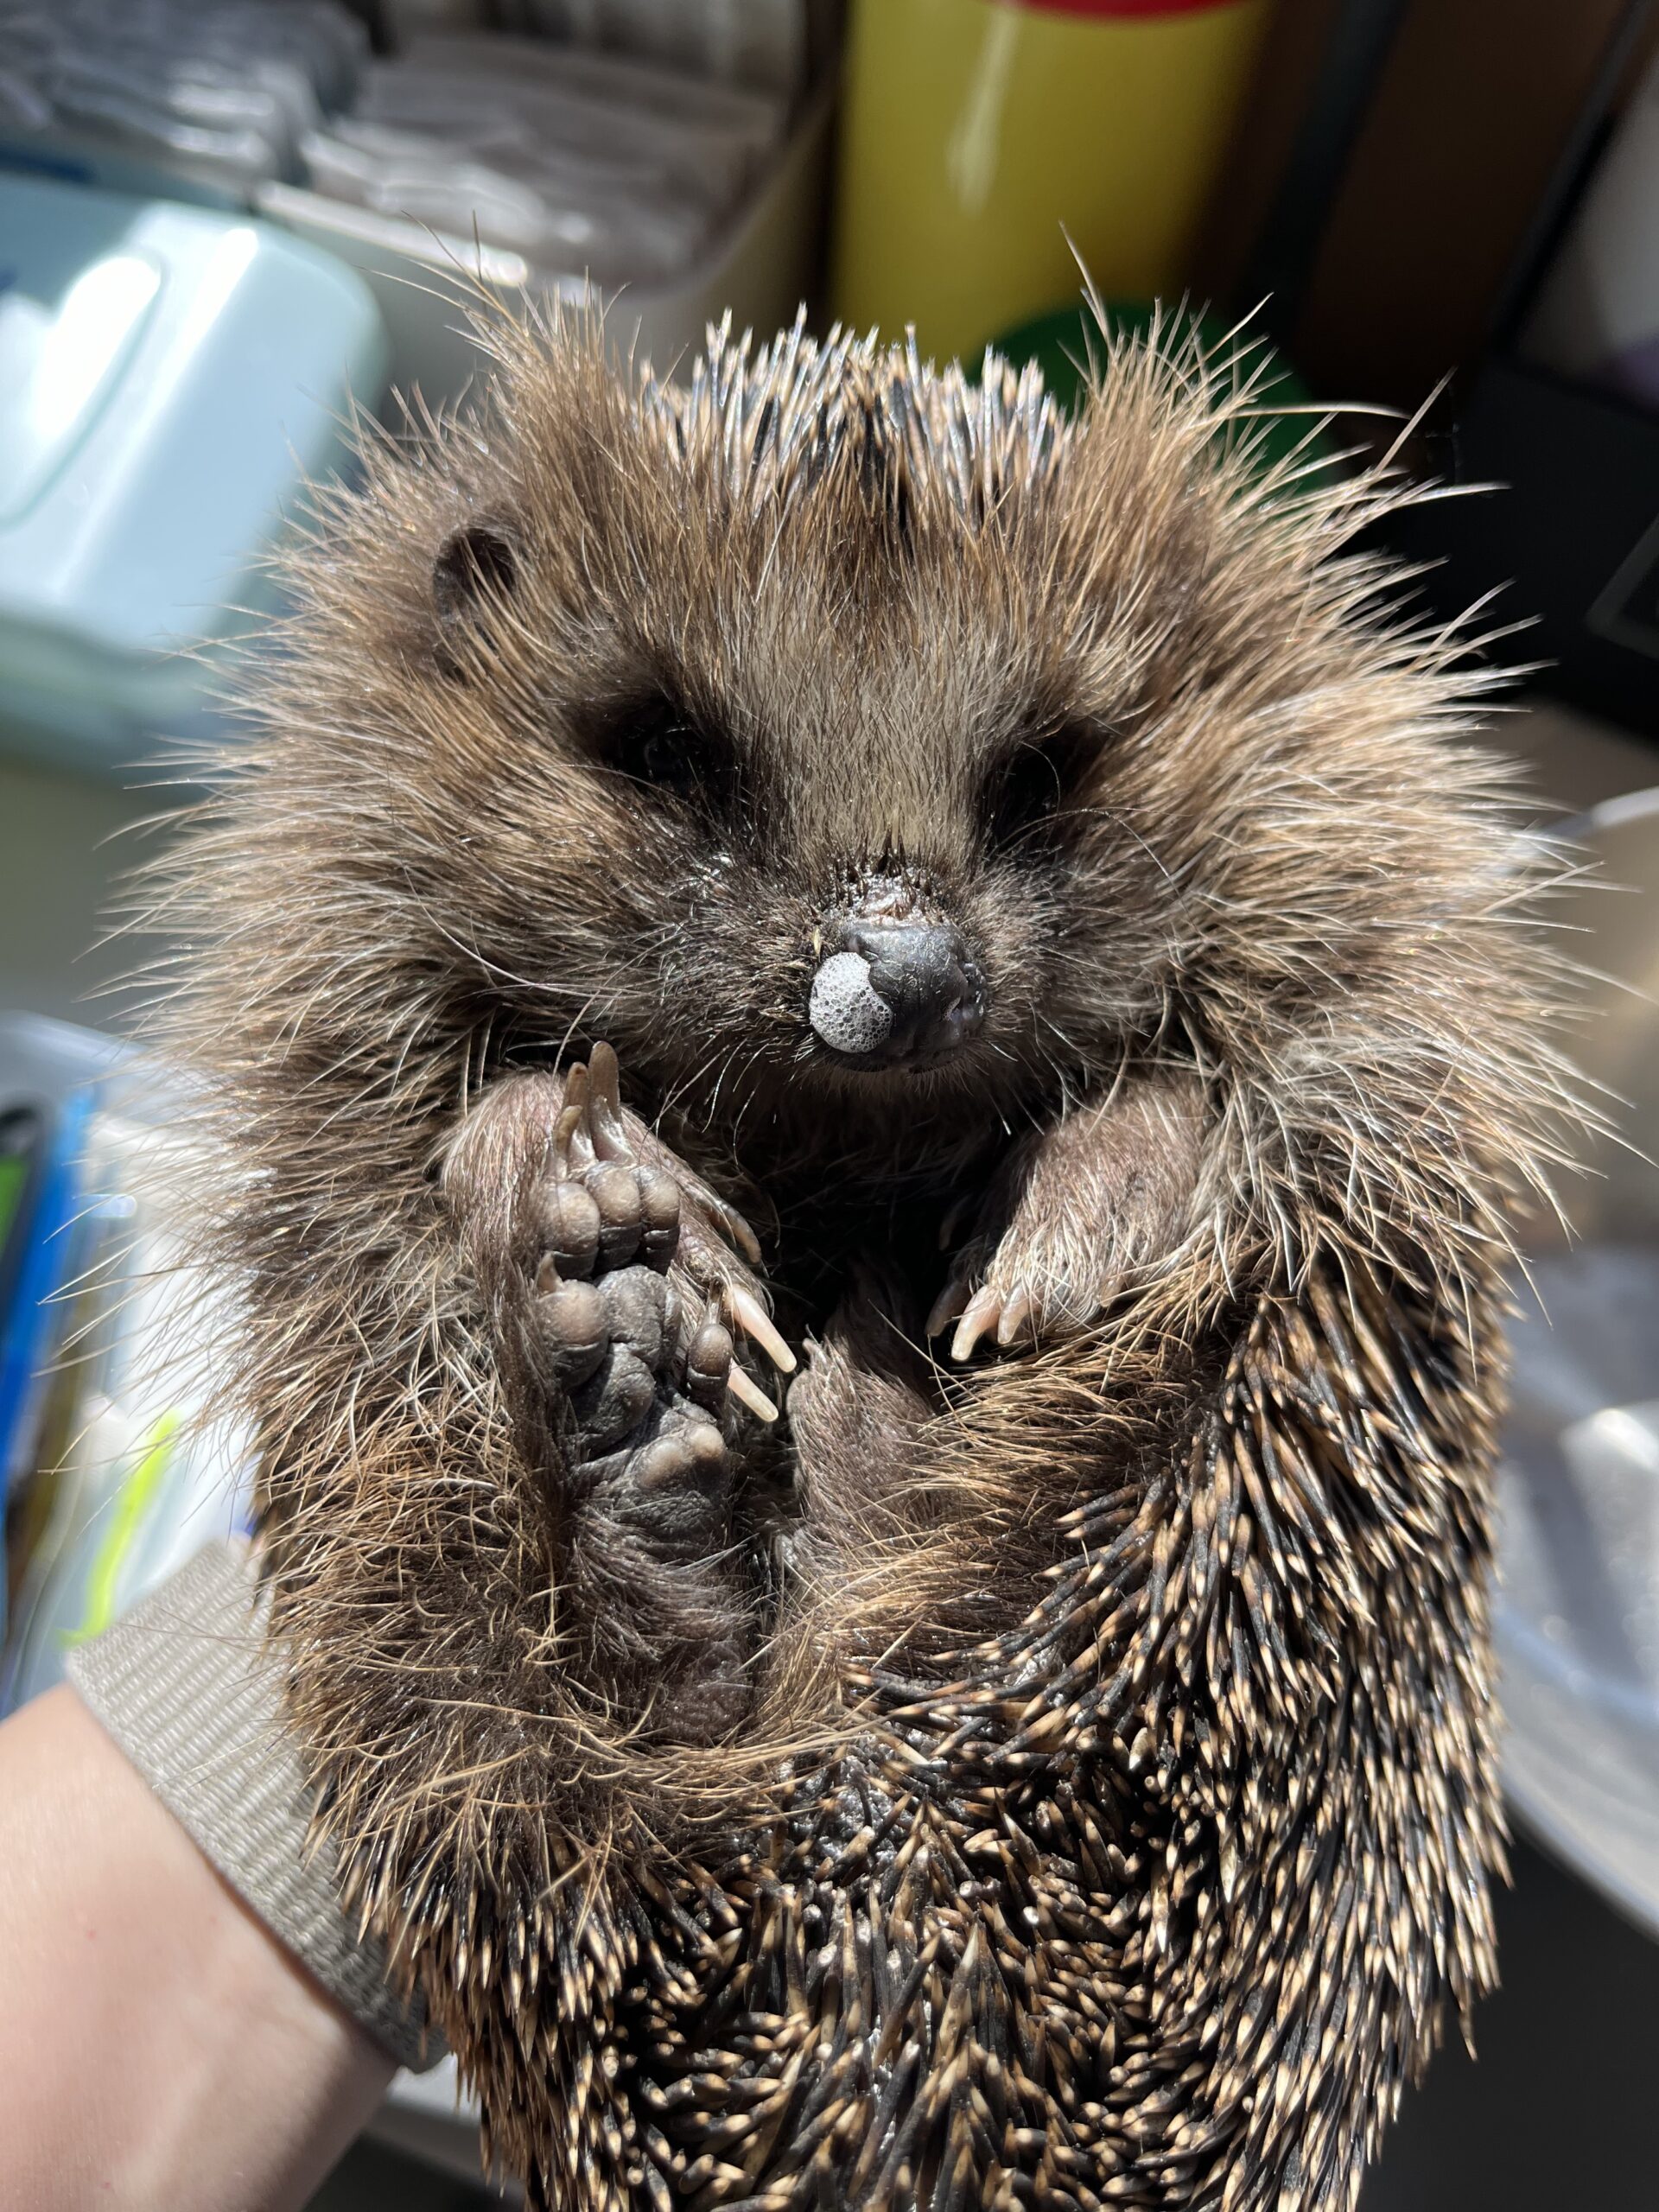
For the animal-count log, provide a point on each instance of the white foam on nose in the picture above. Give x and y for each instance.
(847, 1012)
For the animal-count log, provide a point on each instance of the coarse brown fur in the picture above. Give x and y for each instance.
(1060, 1777)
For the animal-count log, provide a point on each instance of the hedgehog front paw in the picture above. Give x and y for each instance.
(637, 1303)
(1075, 1214)
(1021, 1289)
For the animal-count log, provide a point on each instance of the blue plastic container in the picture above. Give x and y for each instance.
(170, 377)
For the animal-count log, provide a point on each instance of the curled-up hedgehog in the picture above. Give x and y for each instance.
(871, 1049)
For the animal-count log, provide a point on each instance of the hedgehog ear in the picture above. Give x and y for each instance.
(476, 566)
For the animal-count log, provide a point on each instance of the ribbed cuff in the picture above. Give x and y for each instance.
(187, 1686)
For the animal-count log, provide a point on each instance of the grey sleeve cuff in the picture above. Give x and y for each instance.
(187, 1688)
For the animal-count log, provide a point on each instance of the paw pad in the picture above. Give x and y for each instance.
(641, 1365)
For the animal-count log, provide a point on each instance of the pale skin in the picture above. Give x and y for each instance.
(160, 2052)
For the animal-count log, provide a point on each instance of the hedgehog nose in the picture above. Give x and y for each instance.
(897, 990)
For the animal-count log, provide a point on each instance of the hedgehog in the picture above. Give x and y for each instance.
(868, 1050)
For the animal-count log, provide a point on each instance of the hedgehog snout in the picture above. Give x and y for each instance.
(896, 988)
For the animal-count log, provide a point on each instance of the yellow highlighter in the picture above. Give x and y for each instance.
(978, 134)
(124, 1525)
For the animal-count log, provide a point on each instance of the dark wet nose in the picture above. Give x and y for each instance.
(898, 989)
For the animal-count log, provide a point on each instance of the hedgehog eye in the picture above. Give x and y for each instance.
(1032, 784)
(660, 744)
(475, 565)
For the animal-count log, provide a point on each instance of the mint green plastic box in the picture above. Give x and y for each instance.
(171, 376)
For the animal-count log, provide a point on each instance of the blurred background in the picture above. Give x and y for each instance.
(225, 227)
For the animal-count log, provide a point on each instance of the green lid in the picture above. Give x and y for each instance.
(1062, 343)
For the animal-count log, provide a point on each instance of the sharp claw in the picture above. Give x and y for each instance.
(604, 1075)
(610, 1135)
(739, 1230)
(750, 1394)
(753, 1320)
(572, 1115)
(951, 1223)
(946, 1307)
(981, 1314)
(1016, 1315)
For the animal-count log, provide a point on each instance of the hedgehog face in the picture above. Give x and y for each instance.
(821, 789)
(733, 899)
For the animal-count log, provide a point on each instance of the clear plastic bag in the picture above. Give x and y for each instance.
(222, 92)
(585, 166)
(759, 42)
(561, 223)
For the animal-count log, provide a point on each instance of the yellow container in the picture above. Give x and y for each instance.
(977, 134)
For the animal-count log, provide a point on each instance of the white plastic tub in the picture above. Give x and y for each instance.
(1576, 1620)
